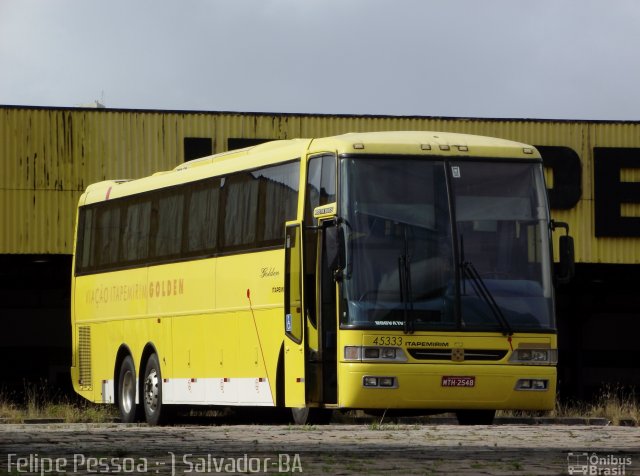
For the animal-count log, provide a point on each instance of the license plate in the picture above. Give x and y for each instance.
(449, 381)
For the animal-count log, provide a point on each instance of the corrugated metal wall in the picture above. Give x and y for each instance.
(48, 156)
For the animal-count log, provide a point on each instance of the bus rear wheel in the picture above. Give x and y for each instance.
(475, 417)
(154, 411)
(311, 416)
(127, 391)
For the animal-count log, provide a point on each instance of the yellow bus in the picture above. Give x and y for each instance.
(399, 271)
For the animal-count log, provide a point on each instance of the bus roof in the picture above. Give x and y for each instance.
(393, 142)
(427, 143)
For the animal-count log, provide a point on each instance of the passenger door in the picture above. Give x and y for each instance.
(294, 343)
(320, 288)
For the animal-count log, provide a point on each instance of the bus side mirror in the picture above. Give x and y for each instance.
(566, 269)
(334, 247)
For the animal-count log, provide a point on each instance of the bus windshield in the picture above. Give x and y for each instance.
(434, 249)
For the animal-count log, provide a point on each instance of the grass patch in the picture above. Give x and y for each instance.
(39, 400)
(613, 403)
(68, 412)
(10, 412)
(74, 412)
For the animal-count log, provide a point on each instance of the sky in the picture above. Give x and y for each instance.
(553, 59)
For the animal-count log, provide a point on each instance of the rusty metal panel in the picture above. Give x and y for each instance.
(37, 221)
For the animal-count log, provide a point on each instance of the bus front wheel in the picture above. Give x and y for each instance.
(154, 411)
(127, 391)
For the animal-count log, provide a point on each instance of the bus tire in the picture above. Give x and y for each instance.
(475, 417)
(154, 411)
(127, 391)
(311, 416)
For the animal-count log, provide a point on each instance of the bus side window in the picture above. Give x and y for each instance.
(108, 236)
(85, 240)
(314, 175)
(321, 184)
(168, 238)
(328, 181)
(240, 212)
(135, 234)
(202, 217)
(278, 200)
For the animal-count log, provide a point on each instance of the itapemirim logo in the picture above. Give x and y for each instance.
(585, 463)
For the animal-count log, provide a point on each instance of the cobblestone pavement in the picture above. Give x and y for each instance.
(333, 449)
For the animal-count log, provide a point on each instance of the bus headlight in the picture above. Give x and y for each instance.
(371, 353)
(374, 354)
(534, 356)
(352, 352)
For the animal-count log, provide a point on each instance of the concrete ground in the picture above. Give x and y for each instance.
(340, 449)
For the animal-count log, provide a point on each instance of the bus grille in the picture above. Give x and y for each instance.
(84, 356)
(446, 354)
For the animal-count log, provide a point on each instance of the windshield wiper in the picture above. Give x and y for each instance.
(404, 276)
(481, 289)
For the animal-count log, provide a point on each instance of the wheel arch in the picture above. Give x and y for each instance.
(149, 349)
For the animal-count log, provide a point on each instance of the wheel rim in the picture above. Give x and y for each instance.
(128, 391)
(151, 384)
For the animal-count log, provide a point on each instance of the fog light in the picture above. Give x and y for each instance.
(539, 384)
(387, 381)
(524, 384)
(370, 381)
(532, 384)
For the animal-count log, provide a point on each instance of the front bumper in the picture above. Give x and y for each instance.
(420, 386)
